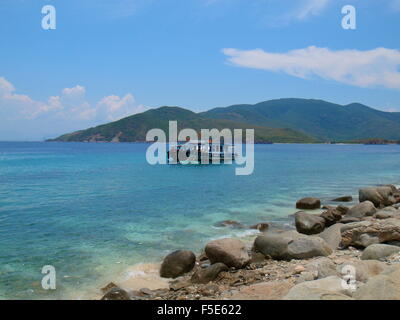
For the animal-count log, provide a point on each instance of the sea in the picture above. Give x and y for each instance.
(99, 212)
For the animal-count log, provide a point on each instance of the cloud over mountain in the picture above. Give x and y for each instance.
(70, 109)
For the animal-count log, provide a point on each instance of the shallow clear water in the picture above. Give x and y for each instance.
(91, 210)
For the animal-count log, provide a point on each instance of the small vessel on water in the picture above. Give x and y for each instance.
(201, 152)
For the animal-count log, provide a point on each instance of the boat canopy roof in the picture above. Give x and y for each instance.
(204, 142)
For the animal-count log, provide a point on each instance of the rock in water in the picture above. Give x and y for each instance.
(231, 252)
(262, 226)
(379, 196)
(309, 223)
(208, 274)
(177, 263)
(230, 223)
(343, 199)
(308, 203)
(116, 294)
(363, 209)
(379, 251)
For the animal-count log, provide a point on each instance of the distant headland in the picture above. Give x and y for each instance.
(275, 121)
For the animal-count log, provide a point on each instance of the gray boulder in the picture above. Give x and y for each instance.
(361, 210)
(379, 251)
(388, 212)
(385, 286)
(307, 223)
(322, 267)
(273, 245)
(177, 263)
(343, 199)
(332, 235)
(364, 269)
(308, 203)
(330, 288)
(291, 245)
(379, 196)
(208, 274)
(345, 220)
(305, 248)
(231, 252)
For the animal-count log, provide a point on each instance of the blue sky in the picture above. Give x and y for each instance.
(108, 59)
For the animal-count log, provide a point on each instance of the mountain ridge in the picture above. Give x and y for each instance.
(280, 120)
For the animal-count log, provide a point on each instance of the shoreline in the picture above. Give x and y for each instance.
(143, 281)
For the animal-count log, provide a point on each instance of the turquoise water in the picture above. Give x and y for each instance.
(91, 210)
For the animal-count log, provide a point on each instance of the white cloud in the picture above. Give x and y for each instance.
(68, 111)
(377, 67)
(114, 107)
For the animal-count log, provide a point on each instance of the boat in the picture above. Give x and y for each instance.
(201, 152)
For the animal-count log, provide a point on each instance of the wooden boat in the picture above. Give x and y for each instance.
(201, 152)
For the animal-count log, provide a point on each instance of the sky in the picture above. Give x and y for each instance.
(107, 59)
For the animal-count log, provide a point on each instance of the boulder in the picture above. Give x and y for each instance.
(177, 263)
(116, 294)
(345, 220)
(386, 213)
(343, 199)
(322, 267)
(272, 290)
(231, 252)
(366, 233)
(305, 293)
(364, 270)
(379, 251)
(385, 286)
(380, 196)
(229, 223)
(108, 287)
(273, 245)
(291, 245)
(309, 247)
(208, 274)
(307, 223)
(308, 203)
(343, 209)
(331, 216)
(262, 226)
(306, 276)
(361, 210)
(332, 236)
(329, 288)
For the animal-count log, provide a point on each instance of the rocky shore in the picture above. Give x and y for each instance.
(343, 253)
